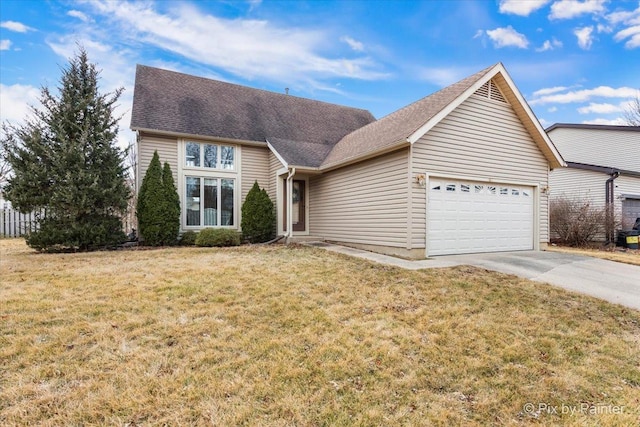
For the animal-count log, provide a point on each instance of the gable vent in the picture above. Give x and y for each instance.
(491, 91)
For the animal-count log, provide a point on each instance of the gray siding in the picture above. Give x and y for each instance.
(254, 167)
(602, 147)
(578, 184)
(167, 151)
(364, 203)
(484, 139)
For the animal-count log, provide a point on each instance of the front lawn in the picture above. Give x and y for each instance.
(283, 336)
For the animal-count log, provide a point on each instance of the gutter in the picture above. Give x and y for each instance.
(609, 201)
(199, 137)
(603, 169)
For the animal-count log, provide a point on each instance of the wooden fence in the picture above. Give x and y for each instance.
(16, 224)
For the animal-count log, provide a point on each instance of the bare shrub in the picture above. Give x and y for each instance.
(575, 222)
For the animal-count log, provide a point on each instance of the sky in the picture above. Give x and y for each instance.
(574, 61)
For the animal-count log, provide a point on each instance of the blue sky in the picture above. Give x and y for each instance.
(574, 61)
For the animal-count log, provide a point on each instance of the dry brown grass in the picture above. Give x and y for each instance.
(626, 256)
(282, 336)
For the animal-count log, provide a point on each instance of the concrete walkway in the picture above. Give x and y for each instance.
(608, 280)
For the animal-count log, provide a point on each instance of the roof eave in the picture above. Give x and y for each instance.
(365, 156)
(200, 137)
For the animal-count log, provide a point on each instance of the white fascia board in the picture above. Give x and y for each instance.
(422, 130)
(278, 156)
(532, 116)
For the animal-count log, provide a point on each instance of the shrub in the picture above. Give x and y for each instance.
(218, 237)
(188, 238)
(576, 222)
(158, 206)
(258, 216)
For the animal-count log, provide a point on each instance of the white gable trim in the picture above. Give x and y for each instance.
(278, 156)
(497, 69)
(422, 130)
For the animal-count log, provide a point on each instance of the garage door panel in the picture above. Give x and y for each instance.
(468, 217)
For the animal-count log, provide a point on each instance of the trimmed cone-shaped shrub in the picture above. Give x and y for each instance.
(258, 216)
(150, 207)
(218, 237)
(158, 205)
(172, 207)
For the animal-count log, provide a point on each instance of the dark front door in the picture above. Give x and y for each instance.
(298, 206)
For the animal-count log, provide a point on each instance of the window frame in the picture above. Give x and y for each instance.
(202, 173)
(219, 165)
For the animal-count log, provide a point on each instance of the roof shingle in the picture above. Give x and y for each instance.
(180, 103)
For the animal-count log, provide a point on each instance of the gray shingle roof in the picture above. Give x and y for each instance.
(175, 102)
(399, 125)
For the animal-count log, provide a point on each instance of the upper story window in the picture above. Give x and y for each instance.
(211, 156)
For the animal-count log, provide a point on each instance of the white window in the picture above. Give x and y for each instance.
(209, 156)
(210, 202)
(451, 187)
(464, 188)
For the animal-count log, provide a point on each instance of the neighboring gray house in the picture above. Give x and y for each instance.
(463, 170)
(603, 167)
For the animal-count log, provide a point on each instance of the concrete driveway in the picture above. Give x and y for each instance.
(608, 280)
(611, 281)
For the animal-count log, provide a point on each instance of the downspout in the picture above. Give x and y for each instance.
(289, 218)
(609, 200)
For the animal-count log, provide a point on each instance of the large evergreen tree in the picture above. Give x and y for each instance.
(65, 161)
(158, 205)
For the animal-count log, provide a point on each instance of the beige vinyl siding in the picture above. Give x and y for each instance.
(578, 184)
(254, 167)
(167, 151)
(365, 203)
(274, 165)
(483, 139)
(603, 147)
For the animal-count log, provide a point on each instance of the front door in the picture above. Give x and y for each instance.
(298, 206)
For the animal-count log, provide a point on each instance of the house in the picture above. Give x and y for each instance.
(603, 166)
(460, 171)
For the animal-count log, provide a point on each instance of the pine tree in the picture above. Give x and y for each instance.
(150, 209)
(172, 206)
(258, 218)
(65, 161)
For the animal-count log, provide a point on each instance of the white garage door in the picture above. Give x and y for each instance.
(468, 217)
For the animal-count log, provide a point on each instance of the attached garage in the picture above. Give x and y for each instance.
(471, 216)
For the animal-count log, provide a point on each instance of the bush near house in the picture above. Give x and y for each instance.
(188, 238)
(158, 207)
(258, 217)
(218, 237)
(575, 222)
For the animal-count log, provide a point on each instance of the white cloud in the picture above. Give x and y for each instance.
(611, 122)
(567, 9)
(15, 100)
(605, 108)
(552, 109)
(80, 15)
(582, 95)
(626, 17)
(633, 33)
(244, 47)
(522, 8)
(5, 44)
(507, 36)
(549, 45)
(549, 90)
(604, 28)
(18, 27)
(353, 44)
(585, 37)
